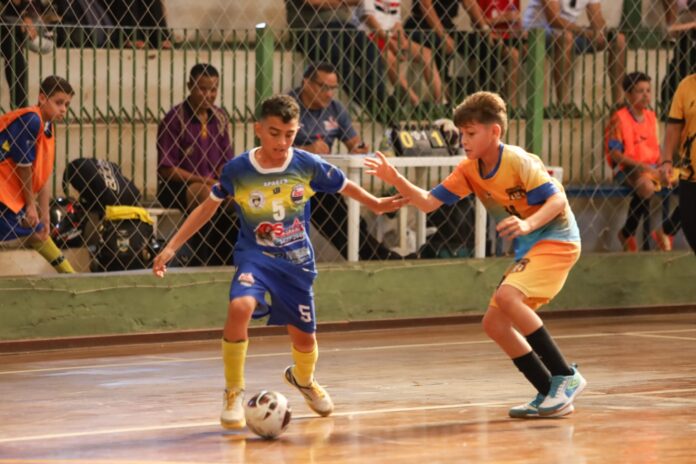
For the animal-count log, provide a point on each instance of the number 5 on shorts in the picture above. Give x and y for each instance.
(305, 313)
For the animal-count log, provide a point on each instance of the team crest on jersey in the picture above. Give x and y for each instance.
(297, 193)
(516, 193)
(520, 265)
(256, 200)
(246, 279)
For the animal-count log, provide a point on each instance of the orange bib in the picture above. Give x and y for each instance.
(639, 138)
(42, 167)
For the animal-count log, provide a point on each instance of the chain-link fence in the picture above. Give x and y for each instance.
(165, 93)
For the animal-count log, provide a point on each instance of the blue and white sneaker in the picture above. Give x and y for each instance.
(564, 389)
(531, 410)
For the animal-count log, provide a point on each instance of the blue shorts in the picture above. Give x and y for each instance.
(11, 227)
(289, 286)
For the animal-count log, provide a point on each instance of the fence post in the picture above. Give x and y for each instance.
(264, 64)
(535, 91)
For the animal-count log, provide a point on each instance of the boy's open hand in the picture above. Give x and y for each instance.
(512, 227)
(389, 204)
(159, 267)
(379, 167)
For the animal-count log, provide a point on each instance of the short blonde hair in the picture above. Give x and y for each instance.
(483, 108)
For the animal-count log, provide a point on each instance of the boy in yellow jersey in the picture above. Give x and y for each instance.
(680, 137)
(271, 186)
(27, 154)
(531, 208)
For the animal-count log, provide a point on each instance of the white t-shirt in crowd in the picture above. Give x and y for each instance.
(387, 13)
(534, 16)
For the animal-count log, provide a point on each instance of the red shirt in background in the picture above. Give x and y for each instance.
(494, 8)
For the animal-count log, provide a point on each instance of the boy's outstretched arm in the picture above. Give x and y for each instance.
(512, 226)
(191, 225)
(376, 205)
(380, 167)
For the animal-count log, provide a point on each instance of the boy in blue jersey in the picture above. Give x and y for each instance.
(271, 186)
(531, 208)
(27, 158)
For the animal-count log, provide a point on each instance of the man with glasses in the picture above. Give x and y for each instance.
(324, 31)
(323, 120)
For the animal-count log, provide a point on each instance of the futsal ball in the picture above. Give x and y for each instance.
(267, 414)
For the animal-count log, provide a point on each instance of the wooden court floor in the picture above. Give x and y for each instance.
(428, 395)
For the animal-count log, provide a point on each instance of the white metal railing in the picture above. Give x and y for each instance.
(352, 165)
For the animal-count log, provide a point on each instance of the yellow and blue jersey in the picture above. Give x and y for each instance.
(273, 204)
(518, 185)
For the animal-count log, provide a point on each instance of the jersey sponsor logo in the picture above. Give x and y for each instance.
(298, 256)
(246, 279)
(273, 183)
(256, 200)
(516, 193)
(297, 193)
(276, 235)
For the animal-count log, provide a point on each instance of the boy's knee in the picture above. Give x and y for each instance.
(506, 295)
(491, 324)
(619, 40)
(241, 307)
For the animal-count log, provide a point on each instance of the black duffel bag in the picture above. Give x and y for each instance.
(126, 240)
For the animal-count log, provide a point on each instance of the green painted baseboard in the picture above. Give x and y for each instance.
(116, 303)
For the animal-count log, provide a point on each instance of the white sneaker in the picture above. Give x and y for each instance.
(316, 397)
(564, 389)
(531, 410)
(232, 417)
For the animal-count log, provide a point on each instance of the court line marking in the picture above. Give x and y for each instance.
(92, 461)
(648, 335)
(334, 350)
(188, 425)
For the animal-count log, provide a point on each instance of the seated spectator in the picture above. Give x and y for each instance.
(503, 16)
(143, 22)
(193, 144)
(27, 157)
(431, 24)
(323, 120)
(633, 151)
(85, 23)
(567, 38)
(683, 63)
(325, 32)
(17, 25)
(382, 21)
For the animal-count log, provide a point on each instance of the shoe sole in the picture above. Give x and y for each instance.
(309, 403)
(552, 412)
(569, 409)
(236, 425)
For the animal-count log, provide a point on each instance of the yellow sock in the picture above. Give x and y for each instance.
(304, 365)
(53, 255)
(234, 356)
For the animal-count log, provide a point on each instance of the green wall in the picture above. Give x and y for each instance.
(116, 303)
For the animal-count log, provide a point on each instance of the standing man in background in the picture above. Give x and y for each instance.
(680, 138)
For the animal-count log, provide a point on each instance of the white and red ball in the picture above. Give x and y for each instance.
(267, 414)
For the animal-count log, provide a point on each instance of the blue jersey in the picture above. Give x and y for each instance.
(273, 204)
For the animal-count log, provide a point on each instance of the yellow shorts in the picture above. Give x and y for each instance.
(542, 272)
